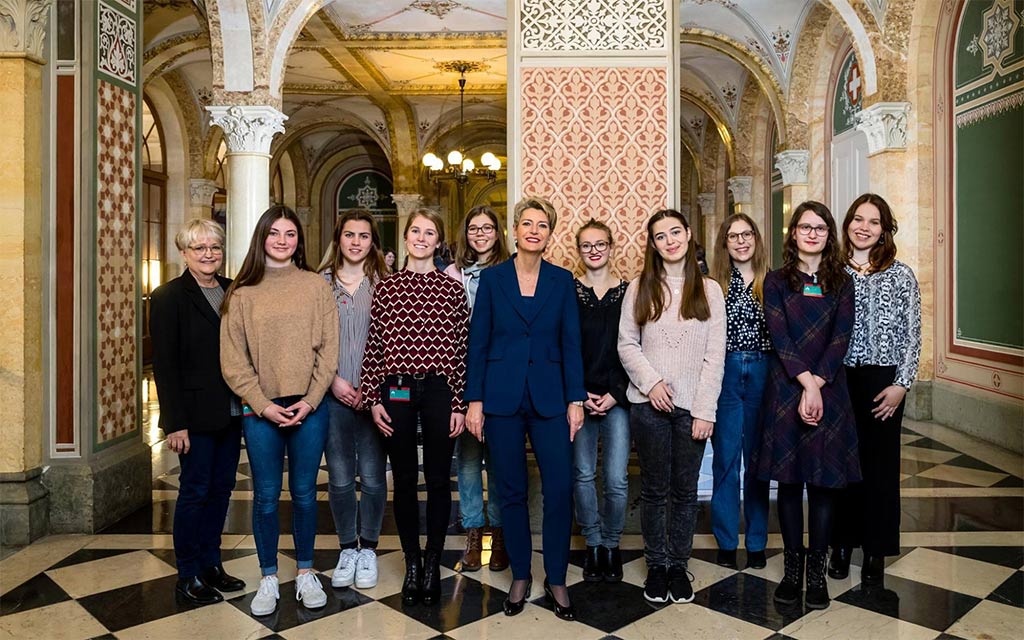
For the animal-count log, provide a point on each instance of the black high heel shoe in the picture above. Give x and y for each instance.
(412, 586)
(565, 613)
(515, 608)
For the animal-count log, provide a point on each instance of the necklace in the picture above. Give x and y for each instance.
(860, 267)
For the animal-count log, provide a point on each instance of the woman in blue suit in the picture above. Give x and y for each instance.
(525, 376)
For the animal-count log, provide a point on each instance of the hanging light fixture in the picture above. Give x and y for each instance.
(458, 167)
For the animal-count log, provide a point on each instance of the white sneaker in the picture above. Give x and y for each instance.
(366, 569)
(266, 597)
(309, 591)
(345, 573)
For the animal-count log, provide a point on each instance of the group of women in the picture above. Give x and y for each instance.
(797, 375)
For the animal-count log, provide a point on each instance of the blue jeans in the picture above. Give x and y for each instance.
(602, 524)
(470, 457)
(738, 434)
(354, 445)
(206, 480)
(266, 443)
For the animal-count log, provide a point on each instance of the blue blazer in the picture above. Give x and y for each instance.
(513, 343)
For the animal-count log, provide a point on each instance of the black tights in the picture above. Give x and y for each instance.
(819, 515)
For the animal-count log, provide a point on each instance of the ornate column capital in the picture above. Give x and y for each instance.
(247, 129)
(793, 166)
(406, 202)
(885, 124)
(201, 191)
(706, 202)
(740, 188)
(23, 27)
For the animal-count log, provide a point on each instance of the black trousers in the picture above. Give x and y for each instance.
(868, 512)
(429, 405)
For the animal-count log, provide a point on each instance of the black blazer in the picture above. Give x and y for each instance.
(185, 332)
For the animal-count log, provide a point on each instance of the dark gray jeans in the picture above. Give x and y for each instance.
(669, 469)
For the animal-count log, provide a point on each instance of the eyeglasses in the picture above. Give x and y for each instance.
(735, 237)
(600, 246)
(806, 229)
(215, 249)
(482, 230)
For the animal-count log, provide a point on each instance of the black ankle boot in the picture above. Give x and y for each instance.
(788, 591)
(592, 570)
(612, 564)
(431, 578)
(196, 591)
(839, 563)
(817, 587)
(216, 577)
(873, 569)
(413, 583)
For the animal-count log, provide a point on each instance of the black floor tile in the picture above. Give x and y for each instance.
(749, 598)
(928, 443)
(711, 555)
(1011, 557)
(603, 605)
(999, 513)
(88, 555)
(40, 591)
(292, 613)
(968, 462)
(135, 604)
(105, 636)
(167, 555)
(463, 601)
(1011, 592)
(919, 482)
(1011, 482)
(578, 556)
(914, 467)
(779, 636)
(921, 604)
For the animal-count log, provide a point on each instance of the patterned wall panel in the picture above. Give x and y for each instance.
(595, 141)
(115, 261)
(116, 40)
(593, 25)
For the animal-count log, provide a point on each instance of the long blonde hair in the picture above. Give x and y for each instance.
(721, 269)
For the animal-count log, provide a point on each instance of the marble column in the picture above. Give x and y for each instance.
(741, 188)
(248, 131)
(406, 203)
(885, 124)
(23, 499)
(793, 165)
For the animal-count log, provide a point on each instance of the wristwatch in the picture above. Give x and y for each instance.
(578, 403)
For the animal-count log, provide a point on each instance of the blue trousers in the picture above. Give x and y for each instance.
(736, 437)
(266, 443)
(601, 522)
(354, 446)
(549, 437)
(206, 480)
(470, 457)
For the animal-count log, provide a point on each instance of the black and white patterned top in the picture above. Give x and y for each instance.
(887, 321)
(745, 328)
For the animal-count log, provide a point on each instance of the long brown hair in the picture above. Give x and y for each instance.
(831, 272)
(883, 254)
(466, 255)
(374, 266)
(650, 297)
(255, 263)
(721, 269)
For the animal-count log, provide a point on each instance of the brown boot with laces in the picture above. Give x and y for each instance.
(471, 560)
(499, 557)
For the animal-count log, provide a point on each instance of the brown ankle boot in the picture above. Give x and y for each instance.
(474, 546)
(499, 557)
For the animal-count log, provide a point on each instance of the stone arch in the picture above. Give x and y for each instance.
(174, 132)
(861, 42)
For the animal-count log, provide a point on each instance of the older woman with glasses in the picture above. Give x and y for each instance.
(198, 411)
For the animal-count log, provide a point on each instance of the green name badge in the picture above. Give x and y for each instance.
(813, 291)
(398, 394)
(247, 411)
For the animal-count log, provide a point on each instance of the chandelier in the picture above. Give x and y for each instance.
(459, 167)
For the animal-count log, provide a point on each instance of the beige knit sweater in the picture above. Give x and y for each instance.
(689, 355)
(280, 338)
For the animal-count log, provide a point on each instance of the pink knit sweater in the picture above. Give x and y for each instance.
(689, 355)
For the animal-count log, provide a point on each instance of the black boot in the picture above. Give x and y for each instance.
(592, 569)
(413, 583)
(432, 578)
(612, 564)
(817, 587)
(788, 591)
(839, 563)
(196, 591)
(873, 569)
(221, 581)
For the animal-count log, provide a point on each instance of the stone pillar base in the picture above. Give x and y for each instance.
(919, 401)
(978, 414)
(24, 508)
(90, 496)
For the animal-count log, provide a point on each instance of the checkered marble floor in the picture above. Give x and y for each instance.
(960, 574)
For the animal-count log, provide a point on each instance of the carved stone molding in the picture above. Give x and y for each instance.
(248, 129)
(201, 192)
(740, 188)
(406, 202)
(594, 25)
(706, 202)
(885, 124)
(23, 26)
(793, 166)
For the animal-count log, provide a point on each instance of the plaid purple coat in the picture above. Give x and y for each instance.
(809, 334)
